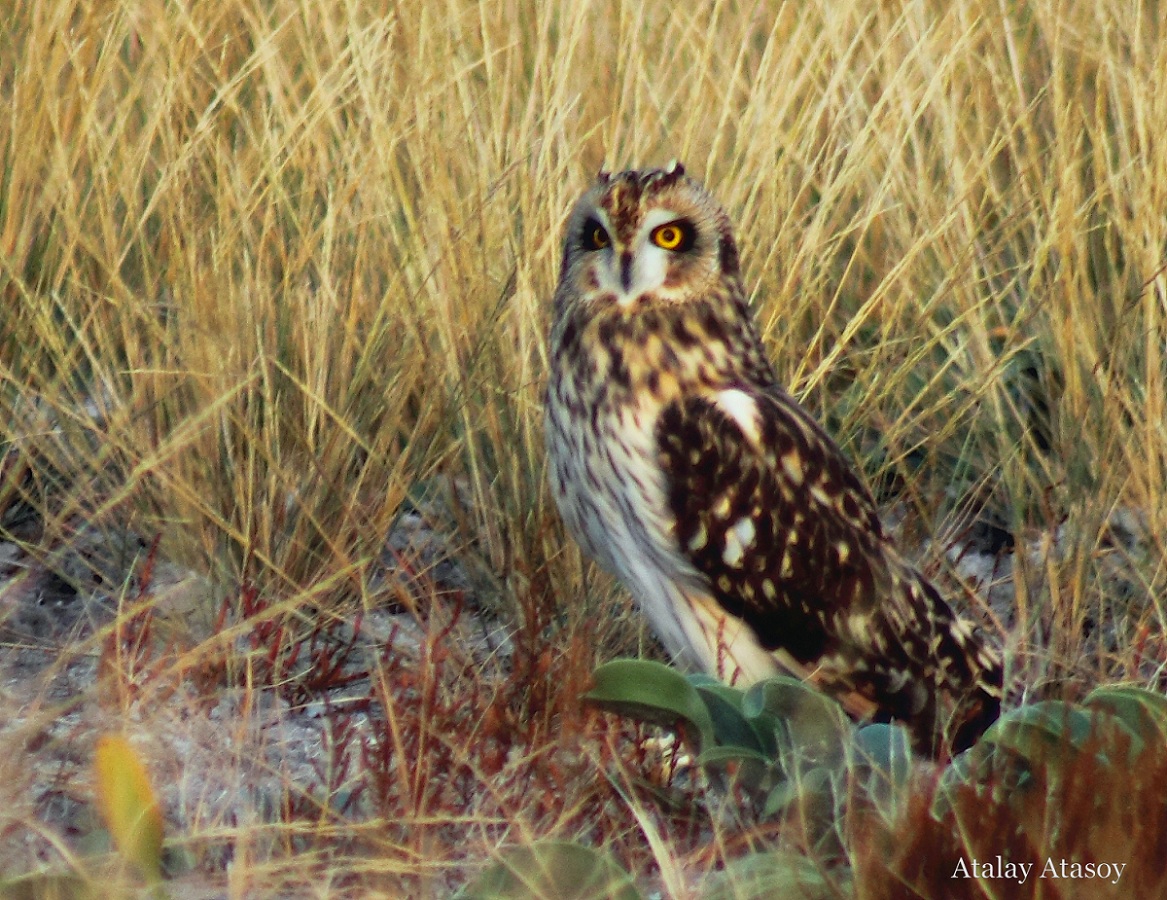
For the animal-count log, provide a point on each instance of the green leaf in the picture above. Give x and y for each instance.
(811, 802)
(1043, 738)
(742, 770)
(652, 692)
(881, 761)
(730, 727)
(552, 870)
(886, 749)
(813, 725)
(780, 798)
(762, 726)
(958, 773)
(703, 679)
(761, 876)
(1144, 712)
(720, 755)
(1032, 731)
(812, 791)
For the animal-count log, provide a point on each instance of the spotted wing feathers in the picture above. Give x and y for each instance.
(770, 513)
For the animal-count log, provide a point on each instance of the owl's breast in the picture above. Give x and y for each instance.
(606, 475)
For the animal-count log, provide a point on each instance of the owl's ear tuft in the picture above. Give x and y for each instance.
(669, 175)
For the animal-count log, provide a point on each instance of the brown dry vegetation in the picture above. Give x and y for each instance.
(274, 279)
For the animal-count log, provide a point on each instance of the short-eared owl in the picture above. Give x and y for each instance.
(681, 464)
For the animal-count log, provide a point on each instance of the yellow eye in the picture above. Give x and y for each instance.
(671, 236)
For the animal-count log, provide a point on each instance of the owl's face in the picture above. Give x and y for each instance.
(645, 237)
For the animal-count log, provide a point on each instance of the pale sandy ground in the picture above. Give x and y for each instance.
(222, 758)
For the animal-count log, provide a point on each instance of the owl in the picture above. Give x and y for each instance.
(680, 464)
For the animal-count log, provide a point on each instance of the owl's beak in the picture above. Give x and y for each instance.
(626, 270)
(630, 274)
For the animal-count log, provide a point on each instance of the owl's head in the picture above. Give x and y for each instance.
(653, 235)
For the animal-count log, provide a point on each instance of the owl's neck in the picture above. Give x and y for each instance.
(662, 350)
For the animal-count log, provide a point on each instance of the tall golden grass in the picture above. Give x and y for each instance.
(271, 268)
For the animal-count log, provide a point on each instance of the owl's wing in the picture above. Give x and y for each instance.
(768, 510)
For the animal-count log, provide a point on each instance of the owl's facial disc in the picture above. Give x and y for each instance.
(640, 263)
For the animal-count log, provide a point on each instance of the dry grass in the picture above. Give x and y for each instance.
(275, 271)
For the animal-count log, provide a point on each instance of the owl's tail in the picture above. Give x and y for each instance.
(961, 672)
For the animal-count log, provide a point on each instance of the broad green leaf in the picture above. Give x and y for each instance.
(730, 727)
(780, 798)
(1048, 736)
(810, 801)
(763, 726)
(716, 756)
(128, 805)
(813, 725)
(881, 761)
(1141, 710)
(704, 679)
(811, 790)
(884, 748)
(958, 773)
(748, 769)
(762, 876)
(652, 692)
(1031, 731)
(552, 870)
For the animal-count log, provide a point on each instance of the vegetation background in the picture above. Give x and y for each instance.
(275, 279)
